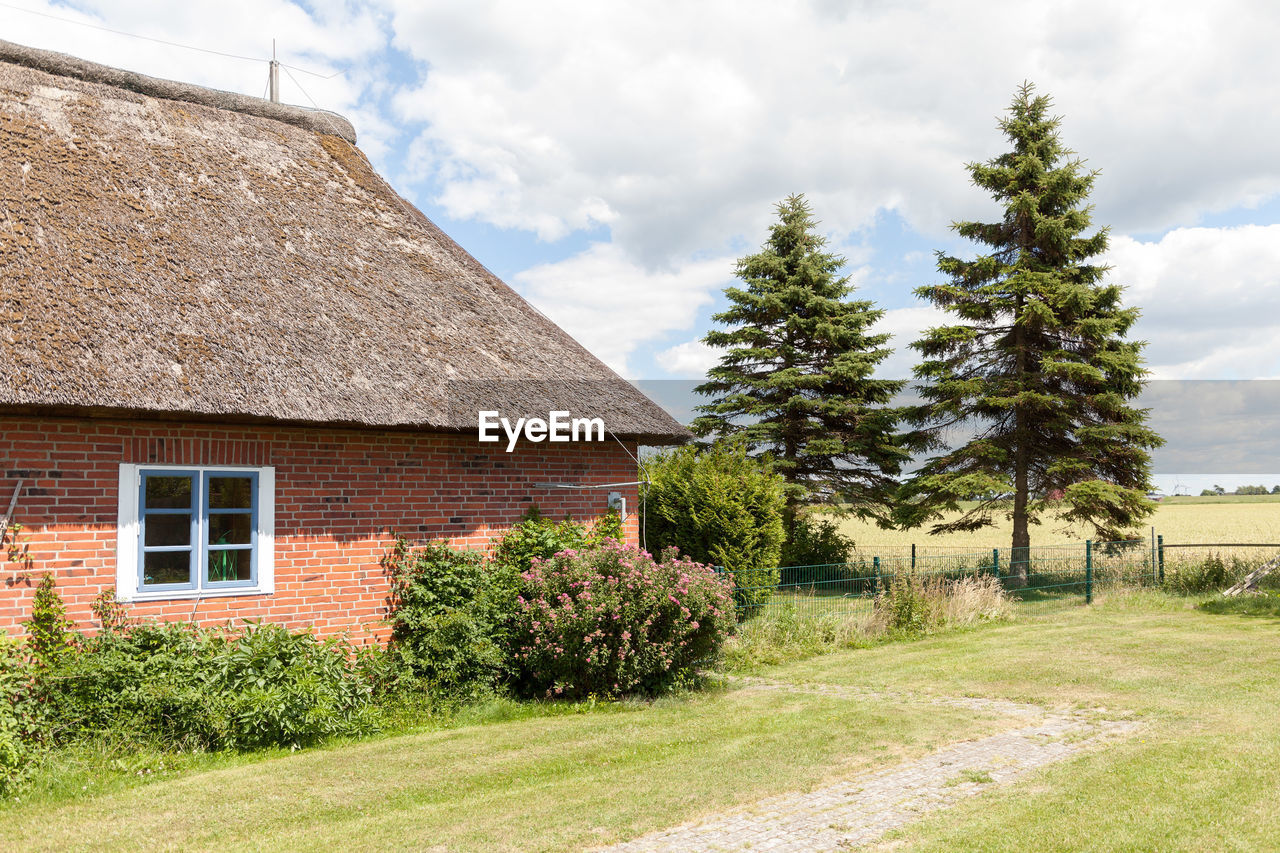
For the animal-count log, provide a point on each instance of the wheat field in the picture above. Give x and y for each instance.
(1178, 520)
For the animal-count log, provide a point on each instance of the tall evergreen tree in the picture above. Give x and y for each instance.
(795, 379)
(1039, 364)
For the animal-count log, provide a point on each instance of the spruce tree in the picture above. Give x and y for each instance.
(1038, 366)
(795, 381)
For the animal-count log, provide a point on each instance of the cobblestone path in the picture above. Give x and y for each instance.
(851, 813)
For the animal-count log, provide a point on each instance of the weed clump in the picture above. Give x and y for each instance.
(915, 605)
(909, 606)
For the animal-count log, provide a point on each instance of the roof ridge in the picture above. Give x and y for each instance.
(65, 65)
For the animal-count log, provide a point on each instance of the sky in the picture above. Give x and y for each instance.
(610, 161)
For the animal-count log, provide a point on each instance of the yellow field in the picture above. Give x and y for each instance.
(1217, 520)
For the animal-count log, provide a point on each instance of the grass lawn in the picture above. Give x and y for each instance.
(1202, 774)
(555, 782)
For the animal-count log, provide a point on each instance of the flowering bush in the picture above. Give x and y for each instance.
(613, 620)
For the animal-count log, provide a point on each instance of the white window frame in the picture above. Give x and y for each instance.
(128, 531)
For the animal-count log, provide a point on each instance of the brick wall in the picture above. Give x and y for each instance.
(340, 496)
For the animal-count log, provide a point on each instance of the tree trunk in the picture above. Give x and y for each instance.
(790, 518)
(791, 511)
(1020, 559)
(791, 438)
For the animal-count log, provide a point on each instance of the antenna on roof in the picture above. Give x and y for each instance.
(274, 75)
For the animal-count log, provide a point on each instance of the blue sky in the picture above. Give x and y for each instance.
(610, 161)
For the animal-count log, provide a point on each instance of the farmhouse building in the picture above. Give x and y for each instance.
(234, 363)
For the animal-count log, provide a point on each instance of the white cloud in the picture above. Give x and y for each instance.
(1210, 300)
(678, 124)
(1209, 297)
(689, 360)
(612, 305)
(906, 325)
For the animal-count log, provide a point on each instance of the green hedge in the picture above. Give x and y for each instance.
(192, 688)
(719, 506)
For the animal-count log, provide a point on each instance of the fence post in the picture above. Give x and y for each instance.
(913, 556)
(995, 561)
(1155, 572)
(1160, 551)
(875, 576)
(1088, 571)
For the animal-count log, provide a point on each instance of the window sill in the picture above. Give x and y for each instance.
(189, 594)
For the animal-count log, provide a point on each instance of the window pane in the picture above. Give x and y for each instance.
(166, 529)
(230, 565)
(166, 567)
(168, 492)
(230, 528)
(230, 492)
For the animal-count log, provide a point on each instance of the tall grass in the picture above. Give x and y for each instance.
(1214, 572)
(912, 605)
(787, 631)
(915, 604)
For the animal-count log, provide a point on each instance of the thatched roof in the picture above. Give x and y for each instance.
(173, 251)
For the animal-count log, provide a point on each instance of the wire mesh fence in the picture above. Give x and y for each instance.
(1045, 574)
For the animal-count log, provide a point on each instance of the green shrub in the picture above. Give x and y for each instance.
(290, 688)
(722, 507)
(191, 688)
(22, 718)
(538, 537)
(138, 680)
(49, 628)
(450, 610)
(817, 541)
(431, 579)
(612, 620)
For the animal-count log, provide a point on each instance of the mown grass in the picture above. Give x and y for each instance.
(1265, 605)
(553, 779)
(1201, 773)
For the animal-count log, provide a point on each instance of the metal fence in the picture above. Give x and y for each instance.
(1045, 574)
